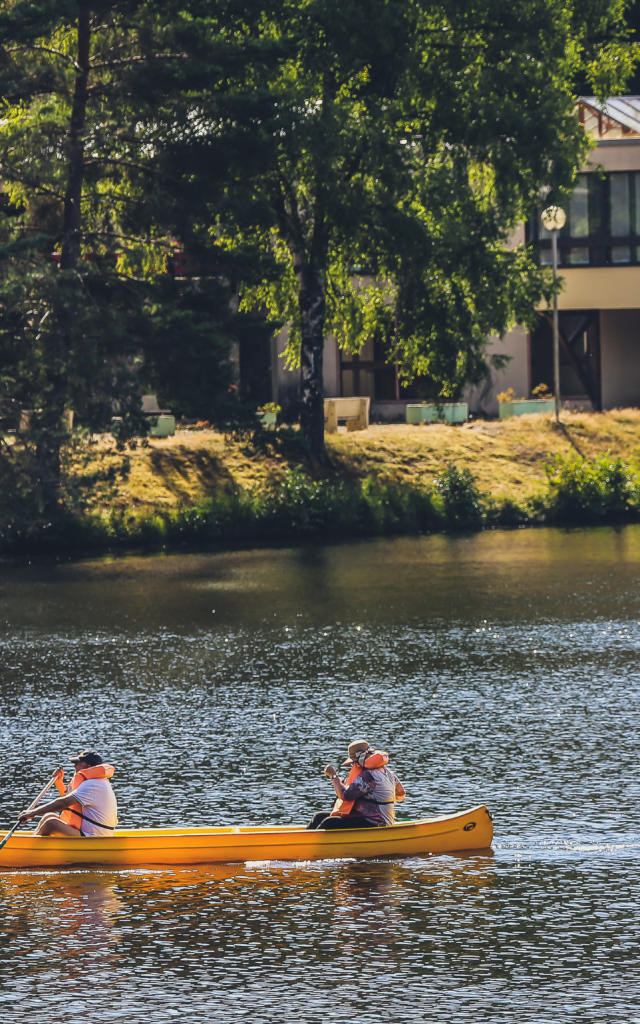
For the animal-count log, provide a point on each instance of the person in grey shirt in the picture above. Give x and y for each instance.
(368, 797)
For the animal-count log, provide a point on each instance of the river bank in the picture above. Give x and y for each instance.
(201, 487)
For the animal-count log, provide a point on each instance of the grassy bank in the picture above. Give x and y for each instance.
(201, 487)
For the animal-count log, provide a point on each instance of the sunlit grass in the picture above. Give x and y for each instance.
(507, 458)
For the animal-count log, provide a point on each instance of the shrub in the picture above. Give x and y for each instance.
(506, 512)
(580, 491)
(458, 499)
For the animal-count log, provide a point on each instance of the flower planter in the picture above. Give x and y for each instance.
(163, 425)
(268, 419)
(526, 406)
(429, 412)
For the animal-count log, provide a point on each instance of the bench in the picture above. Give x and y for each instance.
(352, 412)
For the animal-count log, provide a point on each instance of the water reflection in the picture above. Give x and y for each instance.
(84, 906)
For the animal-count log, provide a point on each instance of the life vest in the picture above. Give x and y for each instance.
(374, 759)
(73, 814)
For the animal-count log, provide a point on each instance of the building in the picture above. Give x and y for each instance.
(599, 263)
(599, 306)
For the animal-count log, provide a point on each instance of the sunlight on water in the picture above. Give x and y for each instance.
(501, 668)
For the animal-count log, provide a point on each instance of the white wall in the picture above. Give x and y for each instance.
(286, 383)
(515, 344)
(331, 368)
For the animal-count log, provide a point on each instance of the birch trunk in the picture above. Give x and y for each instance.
(312, 314)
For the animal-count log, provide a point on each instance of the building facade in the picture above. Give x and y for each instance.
(599, 264)
(599, 305)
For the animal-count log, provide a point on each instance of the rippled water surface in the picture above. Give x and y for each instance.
(499, 668)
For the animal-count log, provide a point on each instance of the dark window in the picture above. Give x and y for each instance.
(370, 373)
(603, 223)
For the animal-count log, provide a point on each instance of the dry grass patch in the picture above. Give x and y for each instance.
(506, 457)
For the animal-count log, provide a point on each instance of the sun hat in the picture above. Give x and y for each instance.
(356, 747)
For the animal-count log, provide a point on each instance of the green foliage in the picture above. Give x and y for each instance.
(93, 109)
(279, 149)
(588, 492)
(298, 508)
(408, 144)
(506, 512)
(458, 499)
(186, 351)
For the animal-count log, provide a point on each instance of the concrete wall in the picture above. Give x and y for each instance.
(620, 357)
(331, 368)
(615, 155)
(285, 383)
(483, 399)
(599, 288)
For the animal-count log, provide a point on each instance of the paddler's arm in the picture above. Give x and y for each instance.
(400, 792)
(58, 804)
(59, 782)
(338, 785)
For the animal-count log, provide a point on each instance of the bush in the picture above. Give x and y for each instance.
(506, 512)
(580, 491)
(458, 499)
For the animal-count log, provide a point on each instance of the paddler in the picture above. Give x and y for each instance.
(368, 797)
(86, 807)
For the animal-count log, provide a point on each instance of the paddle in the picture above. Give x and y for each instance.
(31, 808)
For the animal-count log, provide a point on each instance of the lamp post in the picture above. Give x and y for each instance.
(554, 219)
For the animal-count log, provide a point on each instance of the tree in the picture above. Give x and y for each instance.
(89, 216)
(409, 141)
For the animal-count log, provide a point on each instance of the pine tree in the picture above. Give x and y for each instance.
(90, 217)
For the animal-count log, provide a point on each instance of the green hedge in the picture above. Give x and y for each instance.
(298, 507)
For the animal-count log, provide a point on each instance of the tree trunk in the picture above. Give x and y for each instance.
(49, 421)
(75, 174)
(312, 304)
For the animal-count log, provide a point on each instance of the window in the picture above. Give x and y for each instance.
(603, 223)
(372, 372)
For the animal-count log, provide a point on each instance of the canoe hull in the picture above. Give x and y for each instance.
(467, 830)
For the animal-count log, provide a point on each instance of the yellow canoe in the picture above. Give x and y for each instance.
(467, 830)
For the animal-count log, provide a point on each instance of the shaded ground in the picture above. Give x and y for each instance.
(507, 457)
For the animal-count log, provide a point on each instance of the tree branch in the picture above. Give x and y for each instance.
(46, 49)
(119, 162)
(138, 59)
(290, 218)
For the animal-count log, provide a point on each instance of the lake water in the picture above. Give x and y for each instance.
(501, 668)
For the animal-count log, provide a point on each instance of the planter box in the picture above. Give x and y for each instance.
(526, 407)
(429, 412)
(268, 419)
(162, 426)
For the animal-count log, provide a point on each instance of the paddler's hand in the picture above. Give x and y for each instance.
(330, 772)
(58, 774)
(25, 816)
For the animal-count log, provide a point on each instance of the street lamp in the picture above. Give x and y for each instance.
(554, 219)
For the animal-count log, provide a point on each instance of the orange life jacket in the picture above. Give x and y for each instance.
(374, 759)
(73, 814)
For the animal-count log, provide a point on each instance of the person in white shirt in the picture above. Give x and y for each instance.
(87, 807)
